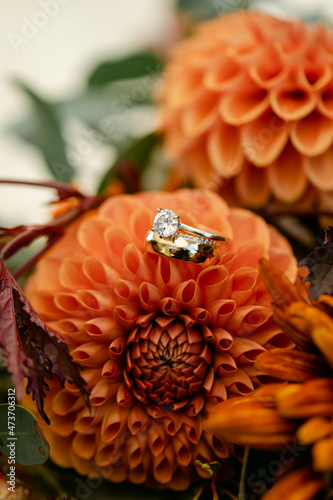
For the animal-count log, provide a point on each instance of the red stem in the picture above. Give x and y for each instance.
(64, 190)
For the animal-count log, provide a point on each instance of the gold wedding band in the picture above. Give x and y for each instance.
(173, 239)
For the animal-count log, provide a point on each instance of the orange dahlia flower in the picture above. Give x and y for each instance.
(161, 341)
(301, 412)
(247, 108)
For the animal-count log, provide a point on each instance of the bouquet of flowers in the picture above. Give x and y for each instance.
(172, 337)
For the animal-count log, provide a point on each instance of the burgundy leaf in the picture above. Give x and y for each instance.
(320, 266)
(30, 348)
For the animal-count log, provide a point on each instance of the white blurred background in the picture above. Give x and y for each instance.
(52, 45)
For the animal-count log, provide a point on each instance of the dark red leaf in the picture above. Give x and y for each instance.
(30, 348)
(320, 266)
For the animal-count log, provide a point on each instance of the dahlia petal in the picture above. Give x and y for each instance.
(136, 267)
(90, 235)
(200, 315)
(125, 398)
(117, 348)
(98, 273)
(292, 102)
(112, 370)
(102, 392)
(222, 311)
(245, 350)
(163, 465)
(168, 275)
(120, 208)
(125, 316)
(224, 340)
(136, 448)
(71, 275)
(255, 177)
(186, 90)
(114, 421)
(138, 474)
(224, 74)
(193, 428)
(238, 383)
(84, 445)
(195, 405)
(170, 306)
(244, 106)
(182, 449)
(137, 419)
(116, 240)
(51, 265)
(188, 293)
(150, 296)
(139, 221)
(313, 74)
(95, 300)
(173, 423)
(68, 303)
(224, 150)
(269, 69)
(264, 139)
(224, 364)
(201, 115)
(212, 282)
(181, 479)
(63, 425)
(156, 438)
(312, 135)
(319, 170)
(71, 330)
(64, 402)
(314, 429)
(218, 445)
(104, 455)
(300, 484)
(325, 104)
(247, 318)
(91, 354)
(83, 420)
(102, 329)
(126, 290)
(322, 337)
(322, 453)
(243, 284)
(44, 303)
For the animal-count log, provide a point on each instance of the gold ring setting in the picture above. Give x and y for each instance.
(173, 239)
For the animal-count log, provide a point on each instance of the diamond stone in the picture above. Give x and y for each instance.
(166, 223)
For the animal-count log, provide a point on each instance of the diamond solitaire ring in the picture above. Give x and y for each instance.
(171, 238)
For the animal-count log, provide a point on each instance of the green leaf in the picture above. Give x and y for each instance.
(133, 66)
(131, 162)
(210, 8)
(30, 446)
(43, 130)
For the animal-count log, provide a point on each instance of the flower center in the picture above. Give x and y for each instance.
(166, 365)
(166, 223)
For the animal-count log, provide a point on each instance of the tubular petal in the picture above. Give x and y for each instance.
(264, 139)
(287, 177)
(312, 135)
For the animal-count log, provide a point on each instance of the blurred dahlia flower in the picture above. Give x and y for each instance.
(247, 109)
(161, 341)
(301, 412)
